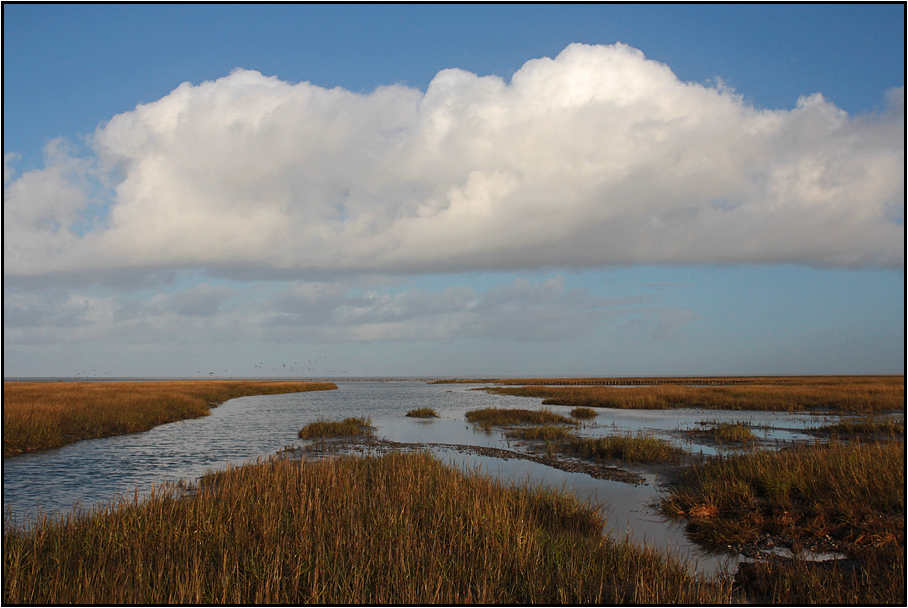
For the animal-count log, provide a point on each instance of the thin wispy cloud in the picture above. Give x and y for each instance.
(522, 310)
(598, 157)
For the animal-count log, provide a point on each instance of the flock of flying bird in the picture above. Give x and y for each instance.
(261, 365)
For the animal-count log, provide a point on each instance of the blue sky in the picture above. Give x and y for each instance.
(453, 190)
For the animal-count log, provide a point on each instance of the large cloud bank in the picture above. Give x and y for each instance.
(597, 157)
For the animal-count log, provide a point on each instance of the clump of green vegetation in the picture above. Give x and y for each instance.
(541, 432)
(493, 416)
(336, 428)
(852, 493)
(422, 412)
(805, 492)
(864, 427)
(728, 432)
(583, 413)
(395, 529)
(640, 448)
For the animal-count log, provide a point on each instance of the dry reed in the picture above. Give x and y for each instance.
(540, 432)
(336, 428)
(583, 413)
(422, 412)
(493, 416)
(399, 529)
(850, 495)
(804, 492)
(635, 448)
(42, 415)
(841, 394)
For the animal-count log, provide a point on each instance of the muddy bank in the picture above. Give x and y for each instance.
(593, 470)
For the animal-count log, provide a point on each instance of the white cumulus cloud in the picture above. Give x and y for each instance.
(597, 157)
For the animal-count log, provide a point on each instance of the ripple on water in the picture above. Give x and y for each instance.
(95, 472)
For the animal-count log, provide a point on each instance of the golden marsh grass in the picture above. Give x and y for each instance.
(632, 448)
(42, 415)
(396, 529)
(727, 432)
(838, 394)
(347, 427)
(422, 412)
(547, 432)
(803, 492)
(493, 416)
(851, 496)
(584, 413)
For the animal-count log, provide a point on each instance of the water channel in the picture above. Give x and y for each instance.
(94, 472)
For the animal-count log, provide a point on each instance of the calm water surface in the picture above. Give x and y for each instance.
(94, 472)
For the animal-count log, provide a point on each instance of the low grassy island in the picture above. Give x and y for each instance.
(43, 415)
(493, 416)
(396, 529)
(422, 412)
(348, 427)
(725, 432)
(584, 413)
(631, 448)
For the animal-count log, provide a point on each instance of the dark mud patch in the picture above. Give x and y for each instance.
(373, 444)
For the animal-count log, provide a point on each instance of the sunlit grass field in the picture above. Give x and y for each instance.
(802, 491)
(42, 415)
(848, 493)
(835, 393)
(396, 529)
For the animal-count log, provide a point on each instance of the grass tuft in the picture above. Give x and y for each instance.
(422, 412)
(584, 413)
(728, 432)
(541, 432)
(864, 427)
(336, 428)
(639, 448)
(492, 416)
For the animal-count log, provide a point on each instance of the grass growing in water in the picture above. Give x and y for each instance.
(804, 492)
(399, 529)
(640, 448)
(852, 493)
(42, 415)
(422, 412)
(728, 432)
(541, 432)
(493, 416)
(583, 413)
(837, 394)
(864, 427)
(336, 428)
